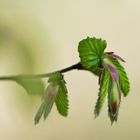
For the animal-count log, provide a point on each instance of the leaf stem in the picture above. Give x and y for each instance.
(77, 66)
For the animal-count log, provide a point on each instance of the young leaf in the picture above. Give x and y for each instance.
(114, 93)
(39, 113)
(111, 54)
(123, 79)
(62, 99)
(102, 93)
(91, 51)
(55, 78)
(55, 92)
(113, 72)
(32, 86)
(114, 99)
(47, 103)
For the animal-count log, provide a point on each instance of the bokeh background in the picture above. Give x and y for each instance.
(38, 36)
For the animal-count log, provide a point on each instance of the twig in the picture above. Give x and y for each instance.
(77, 66)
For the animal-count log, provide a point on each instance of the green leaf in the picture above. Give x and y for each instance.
(55, 92)
(114, 99)
(39, 113)
(123, 79)
(62, 99)
(47, 103)
(102, 92)
(55, 78)
(91, 51)
(32, 86)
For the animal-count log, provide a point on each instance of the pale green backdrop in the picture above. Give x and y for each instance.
(52, 30)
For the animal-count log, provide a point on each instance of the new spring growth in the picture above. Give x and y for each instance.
(112, 79)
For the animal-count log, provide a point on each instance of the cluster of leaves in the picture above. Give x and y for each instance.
(113, 81)
(112, 76)
(56, 92)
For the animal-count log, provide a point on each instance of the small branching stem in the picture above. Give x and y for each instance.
(77, 66)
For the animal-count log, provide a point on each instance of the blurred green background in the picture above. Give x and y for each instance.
(38, 36)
